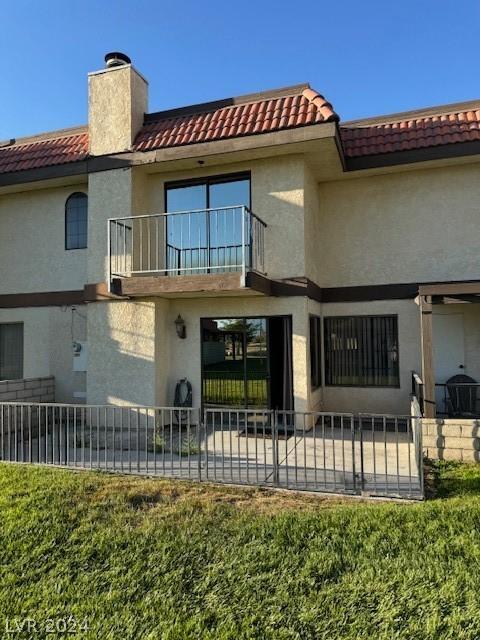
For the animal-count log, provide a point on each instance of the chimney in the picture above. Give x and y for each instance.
(117, 102)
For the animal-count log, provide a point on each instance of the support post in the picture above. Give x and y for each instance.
(428, 375)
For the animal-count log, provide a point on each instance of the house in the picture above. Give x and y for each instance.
(258, 246)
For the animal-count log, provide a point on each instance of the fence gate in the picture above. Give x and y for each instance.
(333, 452)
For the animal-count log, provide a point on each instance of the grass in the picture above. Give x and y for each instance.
(154, 559)
(185, 446)
(224, 383)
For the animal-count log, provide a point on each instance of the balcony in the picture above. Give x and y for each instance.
(188, 251)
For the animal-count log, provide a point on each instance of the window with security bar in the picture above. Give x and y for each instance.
(361, 351)
(11, 351)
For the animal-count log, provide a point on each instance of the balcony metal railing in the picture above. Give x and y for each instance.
(187, 243)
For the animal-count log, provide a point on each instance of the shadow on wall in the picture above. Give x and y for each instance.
(121, 367)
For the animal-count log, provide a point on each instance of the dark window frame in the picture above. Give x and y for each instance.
(22, 358)
(315, 337)
(75, 195)
(395, 385)
(207, 181)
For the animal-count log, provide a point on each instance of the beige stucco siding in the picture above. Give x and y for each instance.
(414, 226)
(316, 395)
(47, 342)
(32, 243)
(313, 228)
(380, 399)
(110, 197)
(117, 104)
(121, 350)
(185, 355)
(135, 356)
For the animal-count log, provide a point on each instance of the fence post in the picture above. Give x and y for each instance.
(352, 428)
(200, 426)
(244, 269)
(274, 417)
(419, 430)
(362, 470)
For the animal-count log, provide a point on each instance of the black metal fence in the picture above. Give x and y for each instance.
(328, 452)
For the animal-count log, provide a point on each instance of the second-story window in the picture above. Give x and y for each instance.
(76, 221)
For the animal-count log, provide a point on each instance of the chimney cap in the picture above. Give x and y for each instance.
(116, 59)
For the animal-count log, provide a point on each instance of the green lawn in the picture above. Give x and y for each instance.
(223, 383)
(151, 559)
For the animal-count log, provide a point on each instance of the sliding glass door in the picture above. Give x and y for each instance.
(207, 235)
(237, 357)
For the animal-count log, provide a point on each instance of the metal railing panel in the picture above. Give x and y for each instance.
(391, 455)
(239, 446)
(203, 241)
(306, 451)
(143, 440)
(318, 453)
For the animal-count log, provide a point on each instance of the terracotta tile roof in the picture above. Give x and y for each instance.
(283, 109)
(242, 118)
(43, 151)
(415, 130)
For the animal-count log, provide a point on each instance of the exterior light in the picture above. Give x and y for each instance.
(180, 327)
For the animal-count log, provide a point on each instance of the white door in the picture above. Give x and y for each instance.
(448, 351)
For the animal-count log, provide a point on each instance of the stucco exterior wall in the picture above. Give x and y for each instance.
(117, 103)
(416, 226)
(32, 242)
(380, 399)
(316, 401)
(110, 197)
(47, 346)
(121, 350)
(185, 355)
(313, 228)
(136, 357)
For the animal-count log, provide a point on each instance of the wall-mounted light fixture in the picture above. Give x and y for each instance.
(180, 327)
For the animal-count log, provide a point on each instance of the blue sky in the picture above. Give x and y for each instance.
(367, 57)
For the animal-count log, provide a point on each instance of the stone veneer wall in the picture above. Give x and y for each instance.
(451, 439)
(28, 390)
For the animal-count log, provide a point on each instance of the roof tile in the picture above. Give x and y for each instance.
(256, 116)
(44, 153)
(261, 116)
(415, 133)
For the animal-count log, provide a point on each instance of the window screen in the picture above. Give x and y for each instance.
(361, 351)
(11, 351)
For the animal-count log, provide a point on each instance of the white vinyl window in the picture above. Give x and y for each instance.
(11, 351)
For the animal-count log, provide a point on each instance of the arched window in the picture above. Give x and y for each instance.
(76, 221)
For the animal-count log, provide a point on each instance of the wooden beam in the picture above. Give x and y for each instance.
(449, 288)
(161, 285)
(259, 283)
(428, 374)
(99, 292)
(456, 298)
(42, 299)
